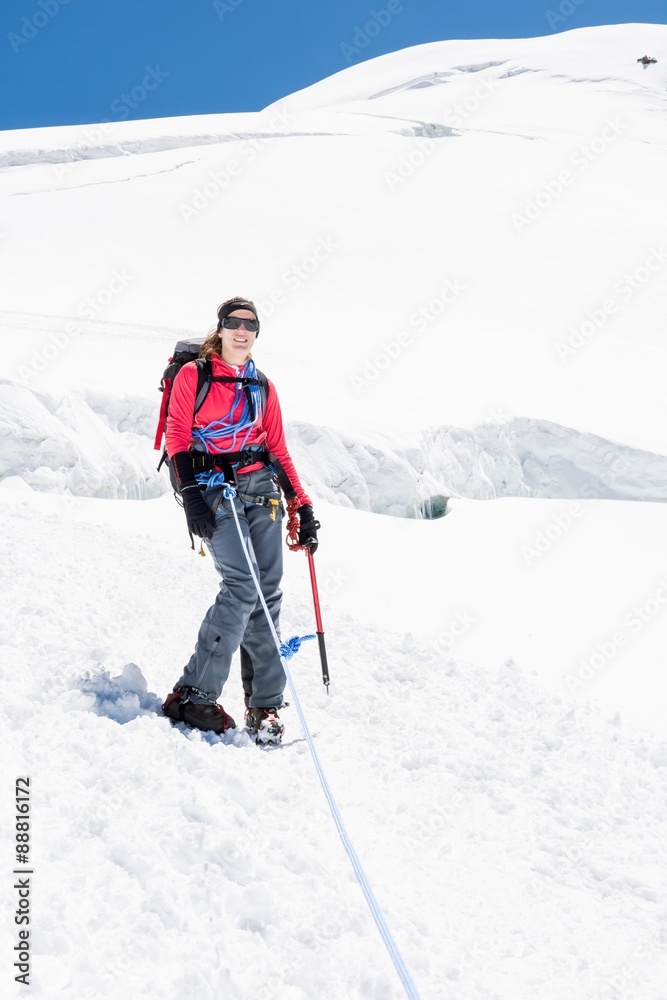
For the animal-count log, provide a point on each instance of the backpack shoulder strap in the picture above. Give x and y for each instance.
(204, 378)
(263, 387)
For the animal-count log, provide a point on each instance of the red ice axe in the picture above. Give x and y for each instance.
(318, 621)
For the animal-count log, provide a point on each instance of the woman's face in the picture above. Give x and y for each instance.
(236, 345)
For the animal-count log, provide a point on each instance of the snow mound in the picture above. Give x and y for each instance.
(121, 698)
(519, 458)
(69, 445)
(96, 444)
(603, 54)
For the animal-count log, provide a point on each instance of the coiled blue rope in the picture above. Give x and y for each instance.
(228, 427)
(411, 990)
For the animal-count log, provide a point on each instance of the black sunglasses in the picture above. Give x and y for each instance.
(234, 322)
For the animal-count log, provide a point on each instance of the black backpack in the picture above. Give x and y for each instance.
(185, 351)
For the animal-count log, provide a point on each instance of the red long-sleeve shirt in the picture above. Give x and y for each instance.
(268, 431)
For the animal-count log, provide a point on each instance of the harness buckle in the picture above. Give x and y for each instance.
(251, 454)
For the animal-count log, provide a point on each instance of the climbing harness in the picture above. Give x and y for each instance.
(259, 501)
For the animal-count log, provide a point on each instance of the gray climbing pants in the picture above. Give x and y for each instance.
(237, 616)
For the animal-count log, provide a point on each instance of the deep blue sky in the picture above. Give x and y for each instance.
(72, 61)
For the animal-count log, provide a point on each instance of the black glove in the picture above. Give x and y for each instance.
(200, 517)
(308, 527)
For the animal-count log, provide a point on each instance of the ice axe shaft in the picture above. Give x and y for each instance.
(318, 621)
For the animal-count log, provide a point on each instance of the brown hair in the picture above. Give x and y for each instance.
(212, 344)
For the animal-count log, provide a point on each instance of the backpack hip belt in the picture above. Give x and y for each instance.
(224, 461)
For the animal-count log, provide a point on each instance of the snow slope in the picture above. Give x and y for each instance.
(459, 254)
(515, 839)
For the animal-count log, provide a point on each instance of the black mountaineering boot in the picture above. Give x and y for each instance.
(264, 725)
(208, 716)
